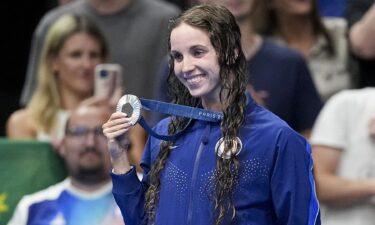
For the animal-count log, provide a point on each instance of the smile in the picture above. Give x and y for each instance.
(194, 79)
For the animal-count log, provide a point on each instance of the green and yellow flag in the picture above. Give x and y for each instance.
(25, 167)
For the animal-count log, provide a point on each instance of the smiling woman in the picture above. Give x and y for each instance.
(248, 168)
(73, 47)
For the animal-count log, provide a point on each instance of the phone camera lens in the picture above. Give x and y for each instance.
(103, 73)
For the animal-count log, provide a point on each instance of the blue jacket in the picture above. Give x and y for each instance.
(276, 184)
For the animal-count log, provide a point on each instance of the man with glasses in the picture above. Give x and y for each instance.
(85, 196)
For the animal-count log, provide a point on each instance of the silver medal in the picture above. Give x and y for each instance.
(236, 148)
(131, 105)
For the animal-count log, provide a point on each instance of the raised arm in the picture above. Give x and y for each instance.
(362, 35)
(128, 190)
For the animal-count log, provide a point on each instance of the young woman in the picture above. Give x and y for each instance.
(286, 88)
(250, 168)
(72, 49)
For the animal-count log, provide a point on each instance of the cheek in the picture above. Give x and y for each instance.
(66, 68)
(102, 145)
(72, 158)
(177, 68)
(180, 78)
(178, 71)
(214, 68)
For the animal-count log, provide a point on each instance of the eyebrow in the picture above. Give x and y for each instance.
(192, 47)
(198, 46)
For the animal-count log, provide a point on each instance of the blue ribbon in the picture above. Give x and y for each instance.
(181, 110)
(176, 110)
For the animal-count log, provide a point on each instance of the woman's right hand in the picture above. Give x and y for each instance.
(117, 125)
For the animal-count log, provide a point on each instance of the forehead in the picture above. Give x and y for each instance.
(185, 35)
(88, 117)
(80, 39)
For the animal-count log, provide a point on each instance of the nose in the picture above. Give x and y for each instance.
(187, 65)
(88, 62)
(90, 139)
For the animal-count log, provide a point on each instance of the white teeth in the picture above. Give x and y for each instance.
(194, 79)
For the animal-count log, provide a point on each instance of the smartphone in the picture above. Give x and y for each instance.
(107, 77)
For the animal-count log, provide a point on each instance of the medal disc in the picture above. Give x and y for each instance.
(236, 148)
(131, 105)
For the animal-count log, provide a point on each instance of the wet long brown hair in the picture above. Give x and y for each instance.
(225, 38)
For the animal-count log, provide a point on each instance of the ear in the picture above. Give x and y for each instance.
(59, 146)
(53, 63)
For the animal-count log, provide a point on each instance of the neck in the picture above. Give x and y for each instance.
(212, 106)
(108, 6)
(250, 40)
(89, 187)
(70, 100)
(213, 103)
(296, 31)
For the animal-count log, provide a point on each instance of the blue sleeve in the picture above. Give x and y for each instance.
(292, 182)
(307, 102)
(129, 191)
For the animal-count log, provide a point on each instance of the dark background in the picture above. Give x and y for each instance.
(19, 21)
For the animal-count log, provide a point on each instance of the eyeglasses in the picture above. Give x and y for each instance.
(82, 132)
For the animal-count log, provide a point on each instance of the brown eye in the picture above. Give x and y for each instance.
(95, 55)
(198, 53)
(75, 54)
(177, 57)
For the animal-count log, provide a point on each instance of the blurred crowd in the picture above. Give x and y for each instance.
(310, 62)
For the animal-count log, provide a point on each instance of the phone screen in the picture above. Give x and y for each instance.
(106, 78)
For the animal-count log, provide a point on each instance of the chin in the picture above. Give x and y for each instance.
(91, 175)
(196, 92)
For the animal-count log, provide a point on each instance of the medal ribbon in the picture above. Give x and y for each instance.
(176, 110)
(165, 108)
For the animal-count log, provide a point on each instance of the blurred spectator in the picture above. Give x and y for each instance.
(343, 143)
(136, 32)
(134, 29)
(361, 18)
(72, 49)
(332, 8)
(85, 197)
(278, 76)
(323, 42)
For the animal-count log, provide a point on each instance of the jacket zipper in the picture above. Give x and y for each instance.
(203, 142)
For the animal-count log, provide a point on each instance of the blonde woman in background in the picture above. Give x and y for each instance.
(72, 49)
